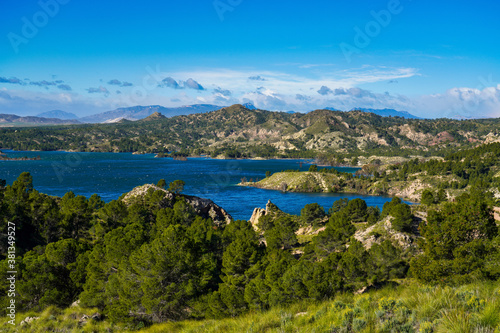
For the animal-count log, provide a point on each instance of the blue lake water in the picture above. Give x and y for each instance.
(110, 175)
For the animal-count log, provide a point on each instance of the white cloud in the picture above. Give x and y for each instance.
(463, 101)
(280, 91)
(285, 83)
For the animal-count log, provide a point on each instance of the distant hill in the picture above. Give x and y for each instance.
(11, 120)
(141, 112)
(154, 116)
(236, 131)
(381, 112)
(59, 114)
(386, 112)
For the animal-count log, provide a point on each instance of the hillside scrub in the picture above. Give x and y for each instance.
(433, 180)
(153, 256)
(237, 132)
(410, 307)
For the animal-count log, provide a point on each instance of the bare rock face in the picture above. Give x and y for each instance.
(206, 208)
(256, 215)
(259, 212)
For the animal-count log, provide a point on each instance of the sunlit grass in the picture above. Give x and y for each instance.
(411, 307)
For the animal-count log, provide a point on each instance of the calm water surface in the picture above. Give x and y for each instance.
(111, 174)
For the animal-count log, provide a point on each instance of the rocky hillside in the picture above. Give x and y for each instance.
(410, 188)
(237, 131)
(367, 234)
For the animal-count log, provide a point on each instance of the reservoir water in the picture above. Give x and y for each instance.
(111, 174)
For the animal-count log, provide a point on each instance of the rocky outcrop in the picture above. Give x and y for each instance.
(416, 136)
(28, 320)
(256, 215)
(383, 230)
(410, 190)
(259, 212)
(490, 138)
(206, 208)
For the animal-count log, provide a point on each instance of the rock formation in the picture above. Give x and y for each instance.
(259, 212)
(203, 207)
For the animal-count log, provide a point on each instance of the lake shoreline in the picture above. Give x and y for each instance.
(304, 159)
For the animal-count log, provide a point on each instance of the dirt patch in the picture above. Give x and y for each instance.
(496, 213)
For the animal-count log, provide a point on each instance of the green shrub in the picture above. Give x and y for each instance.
(426, 327)
(358, 324)
(386, 304)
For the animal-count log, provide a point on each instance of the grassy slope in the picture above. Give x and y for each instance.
(440, 309)
(295, 180)
(471, 308)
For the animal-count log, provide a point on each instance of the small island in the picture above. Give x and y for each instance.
(175, 155)
(4, 157)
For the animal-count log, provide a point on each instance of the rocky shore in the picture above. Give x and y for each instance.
(4, 157)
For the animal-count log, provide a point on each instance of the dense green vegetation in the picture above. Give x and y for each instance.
(407, 308)
(151, 258)
(429, 181)
(333, 137)
(474, 167)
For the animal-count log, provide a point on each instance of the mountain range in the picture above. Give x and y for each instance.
(382, 112)
(11, 120)
(59, 114)
(141, 112)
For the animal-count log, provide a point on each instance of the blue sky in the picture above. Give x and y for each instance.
(433, 59)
